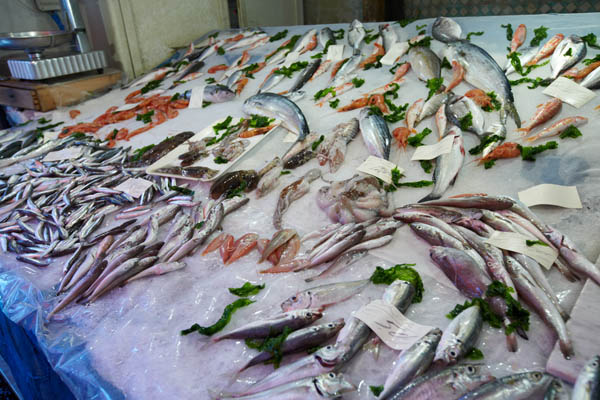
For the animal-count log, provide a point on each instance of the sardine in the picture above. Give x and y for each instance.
(445, 30)
(375, 133)
(460, 336)
(321, 297)
(587, 385)
(522, 386)
(447, 167)
(567, 53)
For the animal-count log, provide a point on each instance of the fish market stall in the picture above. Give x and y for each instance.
(120, 329)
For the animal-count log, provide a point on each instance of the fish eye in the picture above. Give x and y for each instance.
(294, 298)
(452, 353)
(329, 347)
(537, 375)
(308, 315)
(470, 369)
(330, 325)
(595, 364)
(331, 375)
(308, 292)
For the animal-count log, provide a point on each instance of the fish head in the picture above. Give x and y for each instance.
(335, 326)
(467, 377)
(309, 315)
(446, 30)
(333, 385)
(433, 336)
(218, 93)
(299, 301)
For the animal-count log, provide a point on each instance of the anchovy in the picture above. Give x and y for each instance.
(525, 385)
(324, 296)
(587, 385)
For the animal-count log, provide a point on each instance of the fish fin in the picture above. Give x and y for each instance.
(512, 110)
(429, 197)
(453, 180)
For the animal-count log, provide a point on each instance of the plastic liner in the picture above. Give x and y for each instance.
(127, 344)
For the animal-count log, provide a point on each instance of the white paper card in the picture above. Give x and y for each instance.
(549, 194)
(545, 255)
(290, 138)
(50, 135)
(393, 328)
(435, 150)
(290, 58)
(379, 168)
(197, 97)
(135, 187)
(335, 52)
(395, 52)
(569, 91)
(64, 154)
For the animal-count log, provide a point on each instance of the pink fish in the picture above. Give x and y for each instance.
(558, 127)
(242, 246)
(518, 38)
(545, 112)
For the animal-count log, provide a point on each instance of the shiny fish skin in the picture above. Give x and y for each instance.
(323, 296)
(462, 270)
(305, 75)
(325, 36)
(520, 386)
(557, 391)
(389, 36)
(447, 167)
(587, 385)
(459, 109)
(525, 56)
(459, 337)
(356, 35)
(376, 134)
(560, 62)
(275, 106)
(445, 30)
(425, 63)
(544, 112)
(592, 80)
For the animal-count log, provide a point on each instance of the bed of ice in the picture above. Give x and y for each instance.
(127, 344)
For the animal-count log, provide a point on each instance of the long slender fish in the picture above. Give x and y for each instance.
(587, 385)
(305, 75)
(522, 386)
(447, 167)
(323, 296)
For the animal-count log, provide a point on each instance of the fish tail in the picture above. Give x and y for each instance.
(512, 110)
(429, 197)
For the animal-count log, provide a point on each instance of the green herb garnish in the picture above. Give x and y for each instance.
(220, 51)
(376, 390)
(206, 104)
(540, 34)
(569, 52)
(176, 96)
(404, 22)
(496, 105)
(24, 123)
(416, 140)
(395, 67)
(210, 80)
(590, 39)
(247, 71)
(528, 153)
(417, 184)
(519, 317)
(509, 31)
(377, 64)
(396, 176)
(323, 92)
(112, 135)
(370, 38)
(382, 276)
(317, 142)
(220, 160)
(446, 64)
(137, 154)
(272, 345)
(236, 191)
(475, 354)
(473, 34)
(339, 34)
(489, 164)
(427, 165)
(151, 86)
(288, 71)
(466, 122)
(246, 290)
(397, 113)
(485, 141)
(288, 46)
(199, 225)
(334, 103)
(570, 132)
(227, 127)
(434, 86)
(146, 117)
(534, 82)
(182, 190)
(589, 61)
(425, 42)
(419, 27)
(41, 129)
(278, 36)
(222, 322)
(284, 172)
(43, 121)
(258, 121)
(494, 320)
(357, 82)
(530, 243)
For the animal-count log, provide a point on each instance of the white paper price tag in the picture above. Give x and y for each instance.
(549, 194)
(393, 328)
(135, 187)
(379, 168)
(64, 154)
(435, 150)
(50, 135)
(545, 255)
(335, 52)
(570, 92)
(290, 138)
(394, 53)
(197, 97)
(290, 58)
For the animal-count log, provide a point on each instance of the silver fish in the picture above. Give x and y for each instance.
(293, 192)
(567, 53)
(411, 363)
(522, 386)
(460, 336)
(447, 167)
(273, 325)
(526, 54)
(389, 36)
(305, 75)
(345, 73)
(432, 105)
(592, 81)
(482, 71)
(587, 385)
(425, 63)
(304, 41)
(214, 94)
(375, 134)
(445, 30)
(271, 81)
(325, 37)
(356, 35)
(458, 110)
(557, 391)
(275, 106)
(231, 81)
(192, 67)
(323, 296)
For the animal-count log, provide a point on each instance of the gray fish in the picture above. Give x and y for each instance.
(587, 385)
(432, 105)
(375, 134)
(447, 167)
(522, 386)
(218, 94)
(189, 69)
(462, 270)
(233, 79)
(324, 296)
(592, 81)
(482, 71)
(304, 41)
(525, 55)
(273, 325)
(345, 73)
(567, 53)
(276, 106)
(389, 36)
(460, 336)
(447, 384)
(458, 110)
(326, 36)
(557, 391)
(411, 363)
(305, 75)
(301, 339)
(356, 35)
(445, 30)
(425, 63)
(270, 81)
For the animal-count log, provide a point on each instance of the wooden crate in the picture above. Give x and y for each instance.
(53, 93)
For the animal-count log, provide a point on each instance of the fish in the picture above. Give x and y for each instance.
(441, 121)
(305, 75)
(217, 94)
(521, 386)
(161, 149)
(449, 383)
(587, 385)
(158, 269)
(302, 339)
(432, 105)
(557, 128)
(269, 181)
(326, 37)
(401, 135)
(546, 50)
(447, 167)
(271, 80)
(293, 192)
(579, 74)
(356, 35)
(592, 81)
(458, 75)
(544, 112)
(412, 114)
(345, 73)
(462, 270)
(411, 363)
(458, 110)
(300, 152)
(387, 32)
(482, 71)
(557, 391)
(248, 179)
(329, 385)
(460, 336)
(518, 37)
(274, 325)
(242, 246)
(375, 134)
(425, 63)
(537, 299)
(307, 42)
(321, 297)
(526, 55)
(226, 248)
(566, 54)
(191, 68)
(445, 30)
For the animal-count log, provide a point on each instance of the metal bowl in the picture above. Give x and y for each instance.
(34, 42)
